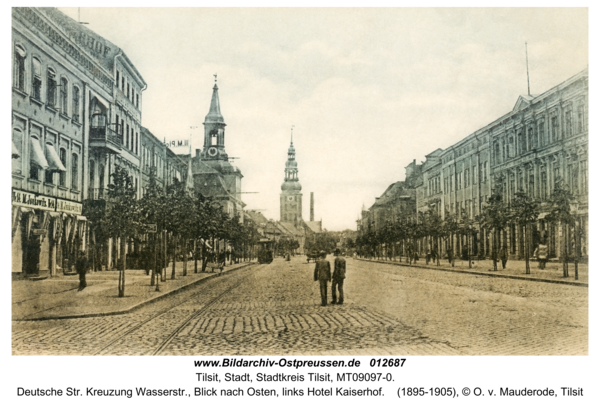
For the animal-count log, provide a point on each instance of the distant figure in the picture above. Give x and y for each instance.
(323, 275)
(81, 266)
(542, 255)
(339, 274)
(504, 256)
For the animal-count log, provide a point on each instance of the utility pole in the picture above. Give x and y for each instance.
(527, 65)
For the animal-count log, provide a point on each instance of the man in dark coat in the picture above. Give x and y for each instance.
(504, 256)
(323, 275)
(339, 274)
(81, 266)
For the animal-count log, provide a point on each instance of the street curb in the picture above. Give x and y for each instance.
(494, 275)
(131, 308)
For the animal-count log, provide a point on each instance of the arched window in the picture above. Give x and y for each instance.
(19, 69)
(74, 171)
(63, 175)
(36, 80)
(51, 89)
(75, 112)
(64, 88)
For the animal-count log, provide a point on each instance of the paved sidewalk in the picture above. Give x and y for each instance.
(514, 270)
(58, 297)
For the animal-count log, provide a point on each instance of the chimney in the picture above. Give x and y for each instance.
(197, 152)
(312, 206)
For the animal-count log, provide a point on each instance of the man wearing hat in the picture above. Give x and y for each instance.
(323, 275)
(339, 274)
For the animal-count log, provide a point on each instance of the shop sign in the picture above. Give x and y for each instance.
(69, 207)
(32, 200)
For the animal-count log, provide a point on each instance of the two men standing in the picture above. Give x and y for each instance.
(323, 275)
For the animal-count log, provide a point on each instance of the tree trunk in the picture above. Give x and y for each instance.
(195, 255)
(527, 268)
(123, 265)
(174, 256)
(184, 248)
(565, 258)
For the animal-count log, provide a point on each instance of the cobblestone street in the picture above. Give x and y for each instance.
(274, 309)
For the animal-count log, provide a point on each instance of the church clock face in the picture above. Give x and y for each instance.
(212, 151)
(290, 198)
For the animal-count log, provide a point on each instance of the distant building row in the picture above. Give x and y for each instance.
(543, 139)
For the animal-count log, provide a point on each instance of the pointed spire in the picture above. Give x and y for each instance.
(214, 113)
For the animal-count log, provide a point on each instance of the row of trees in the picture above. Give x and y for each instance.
(426, 233)
(167, 223)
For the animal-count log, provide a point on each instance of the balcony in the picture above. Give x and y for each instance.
(105, 138)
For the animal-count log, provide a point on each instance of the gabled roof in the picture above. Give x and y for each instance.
(291, 229)
(256, 217)
(395, 191)
(523, 101)
(314, 226)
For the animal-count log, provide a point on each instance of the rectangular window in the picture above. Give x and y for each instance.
(75, 113)
(541, 133)
(128, 90)
(74, 171)
(64, 87)
(118, 75)
(63, 175)
(544, 186)
(569, 123)
(37, 79)
(51, 91)
(137, 101)
(554, 123)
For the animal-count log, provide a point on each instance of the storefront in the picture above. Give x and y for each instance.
(47, 232)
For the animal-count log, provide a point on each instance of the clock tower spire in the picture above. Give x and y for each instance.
(214, 129)
(291, 190)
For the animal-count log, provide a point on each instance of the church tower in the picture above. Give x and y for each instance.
(291, 190)
(214, 130)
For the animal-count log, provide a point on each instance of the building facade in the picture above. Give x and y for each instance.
(541, 141)
(76, 102)
(76, 116)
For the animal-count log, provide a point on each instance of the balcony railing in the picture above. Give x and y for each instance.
(106, 134)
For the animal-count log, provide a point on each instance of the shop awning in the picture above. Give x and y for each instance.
(37, 154)
(15, 151)
(54, 163)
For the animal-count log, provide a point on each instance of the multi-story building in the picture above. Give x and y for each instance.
(75, 114)
(543, 139)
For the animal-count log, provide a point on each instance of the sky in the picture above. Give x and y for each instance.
(367, 90)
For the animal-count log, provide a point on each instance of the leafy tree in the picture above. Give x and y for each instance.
(123, 215)
(525, 212)
(495, 216)
(450, 228)
(560, 214)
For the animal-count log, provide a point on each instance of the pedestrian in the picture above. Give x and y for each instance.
(504, 256)
(542, 254)
(337, 281)
(81, 266)
(323, 275)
